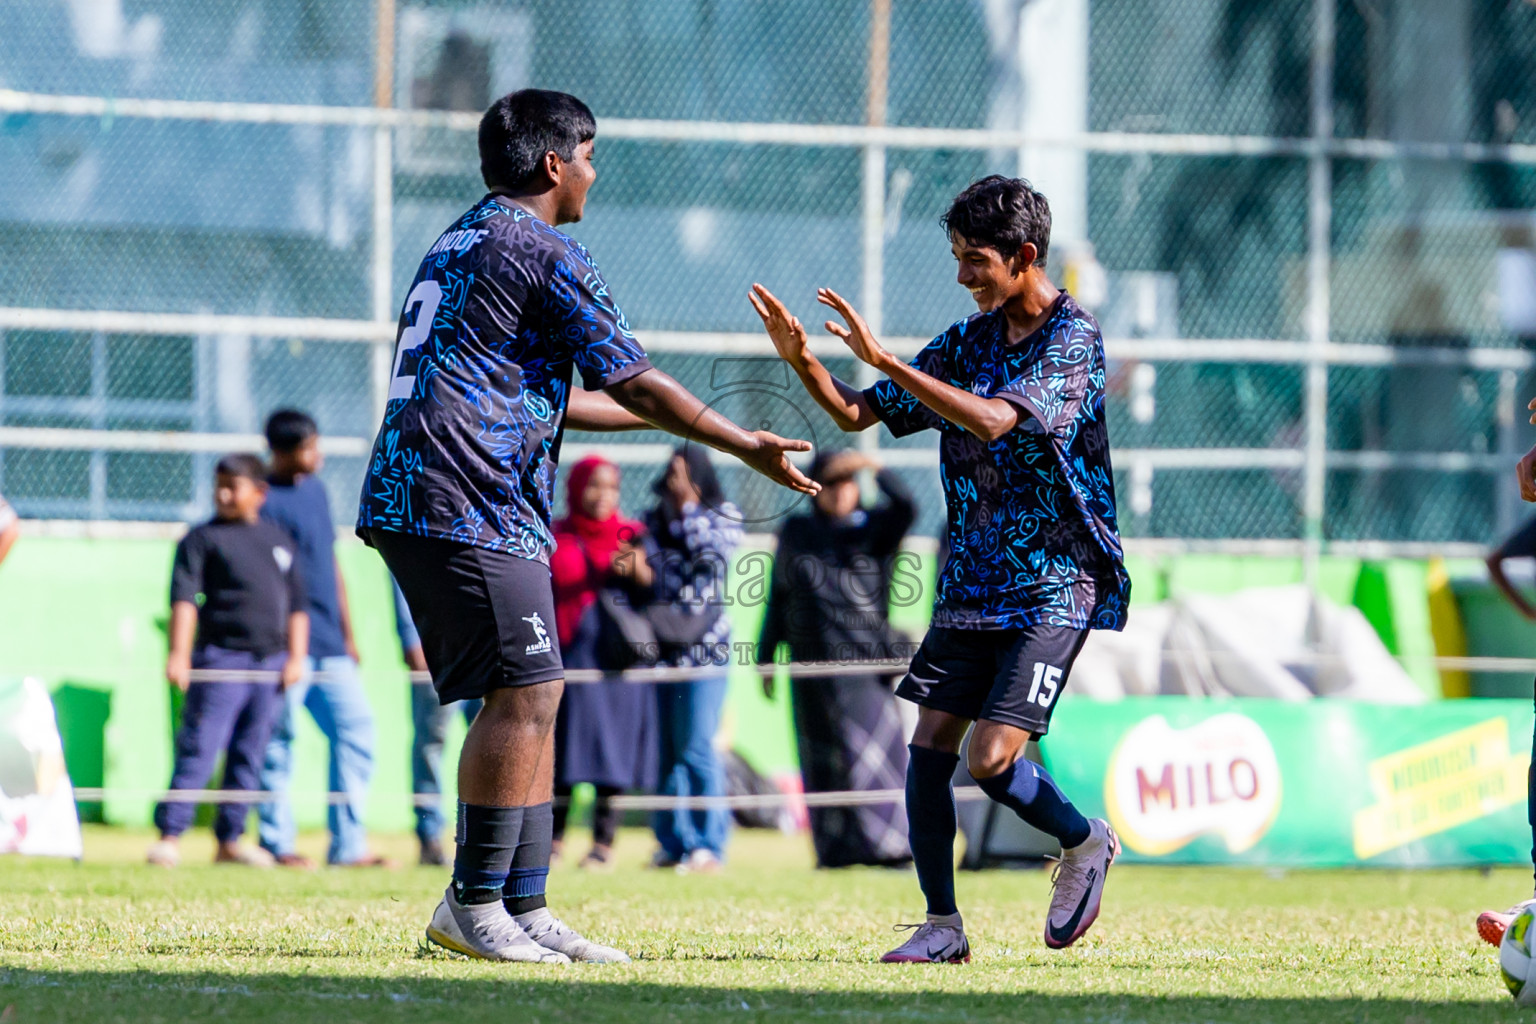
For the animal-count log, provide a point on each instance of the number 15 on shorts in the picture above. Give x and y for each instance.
(1045, 685)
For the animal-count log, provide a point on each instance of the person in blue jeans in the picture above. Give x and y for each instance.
(429, 731)
(690, 537)
(331, 690)
(237, 607)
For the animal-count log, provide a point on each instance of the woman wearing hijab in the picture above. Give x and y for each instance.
(691, 535)
(605, 733)
(828, 599)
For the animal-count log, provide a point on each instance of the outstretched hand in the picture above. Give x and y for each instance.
(857, 335)
(771, 458)
(1525, 472)
(783, 327)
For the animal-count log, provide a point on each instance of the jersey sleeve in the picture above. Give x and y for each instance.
(898, 410)
(7, 515)
(1050, 390)
(591, 323)
(187, 569)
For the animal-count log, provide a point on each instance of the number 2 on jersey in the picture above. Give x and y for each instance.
(426, 297)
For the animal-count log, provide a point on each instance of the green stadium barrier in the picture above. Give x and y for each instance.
(1319, 783)
(89, 614)
(1494, 629)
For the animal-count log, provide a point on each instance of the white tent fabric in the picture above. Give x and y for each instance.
(37, 802)
(1280, 643)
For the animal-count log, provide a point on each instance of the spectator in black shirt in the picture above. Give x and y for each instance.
(236, 587)
(829, 600)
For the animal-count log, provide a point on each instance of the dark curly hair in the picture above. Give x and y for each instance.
(523, 126)
(1002, 214)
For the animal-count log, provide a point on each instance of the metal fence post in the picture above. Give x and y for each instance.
(872, 195)
(382, 306)
(1319, 260)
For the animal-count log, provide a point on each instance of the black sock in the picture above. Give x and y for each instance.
(487, 838)
(1029, 791)
(524, 890)
(931, 824)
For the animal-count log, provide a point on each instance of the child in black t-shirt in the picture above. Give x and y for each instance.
(236, 587)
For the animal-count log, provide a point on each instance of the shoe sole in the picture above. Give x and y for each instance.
(1491, 927)
(892, 958)
(1082, 929)
(447, 942)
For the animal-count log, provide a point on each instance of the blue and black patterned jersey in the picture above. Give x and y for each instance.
(1032, 535)
(502, 308)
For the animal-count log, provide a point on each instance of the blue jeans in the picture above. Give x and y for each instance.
(340, 710)
(690, 715)
(430, 722)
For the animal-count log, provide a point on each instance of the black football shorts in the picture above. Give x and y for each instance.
(486, 618)
(1012, 676)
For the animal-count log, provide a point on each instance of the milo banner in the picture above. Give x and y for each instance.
(1306, 783)
(37, 802)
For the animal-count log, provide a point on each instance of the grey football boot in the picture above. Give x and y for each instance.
(486, 931)
(552, 933)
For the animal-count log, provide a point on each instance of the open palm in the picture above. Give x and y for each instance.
(857, 335)
(783, 327)
(772, 460)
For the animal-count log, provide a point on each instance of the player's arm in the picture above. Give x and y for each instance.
(987, 418)
(1525, 469)
(660, 400)
(298, 648)
(298, 623)
(845, 404)
(596, 410)
(186, 584)
(1506, 587)
(178, 662)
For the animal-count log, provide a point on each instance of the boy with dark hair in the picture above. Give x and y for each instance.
(458, 493)
(330, 689)
(237, 588)
(1017, 394)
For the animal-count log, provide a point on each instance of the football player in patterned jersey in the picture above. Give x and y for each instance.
(457, 494)
(1016, 392)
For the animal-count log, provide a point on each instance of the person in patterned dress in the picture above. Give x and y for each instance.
(1016, 392)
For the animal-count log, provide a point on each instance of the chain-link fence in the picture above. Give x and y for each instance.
(1301, 223)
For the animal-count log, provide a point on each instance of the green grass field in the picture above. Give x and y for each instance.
(768, 940)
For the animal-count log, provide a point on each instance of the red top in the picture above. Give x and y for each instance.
(584, 549)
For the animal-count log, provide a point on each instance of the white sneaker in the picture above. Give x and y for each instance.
(163, 854)
(486, 931)
(1077, 886)
(552, 933)
(700, 862)
(249, 856)
(938, 940)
